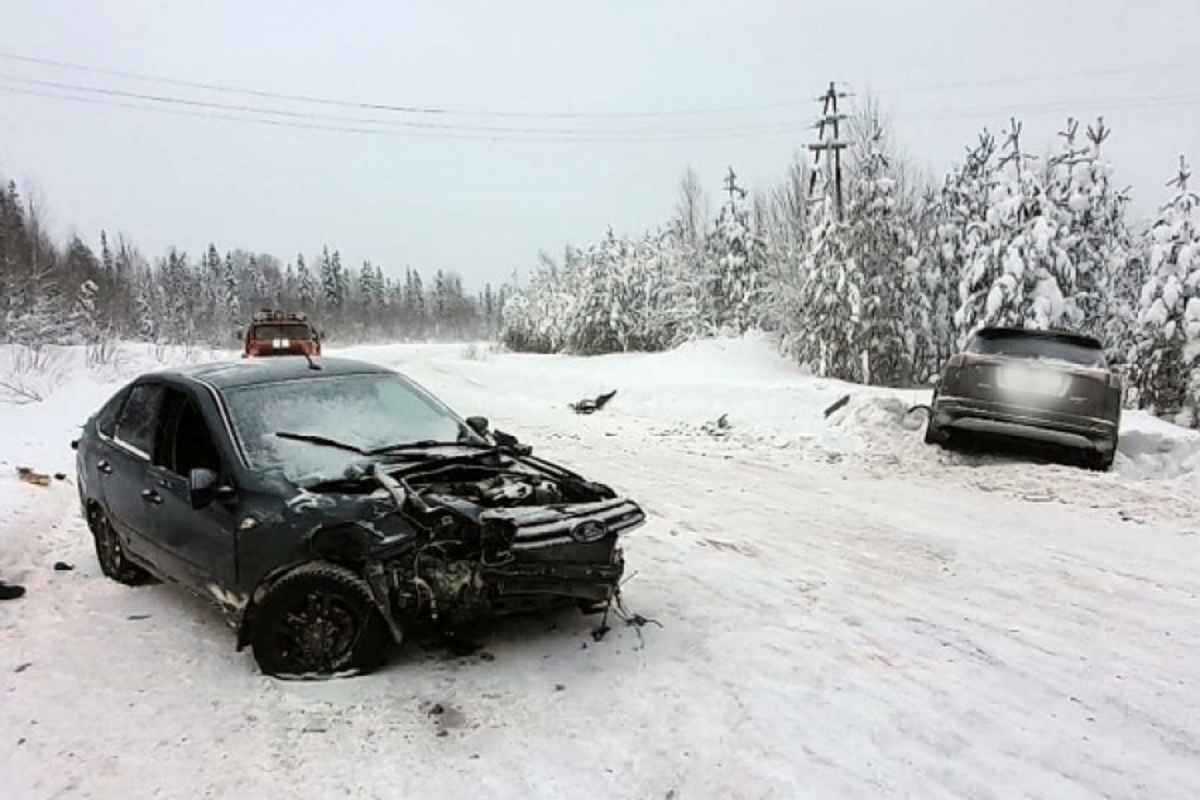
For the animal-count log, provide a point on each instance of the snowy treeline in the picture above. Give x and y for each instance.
(884, 291)
(71, 294)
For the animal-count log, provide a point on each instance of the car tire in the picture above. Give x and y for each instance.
(319, 620)
(111, 553)
(1098, 461)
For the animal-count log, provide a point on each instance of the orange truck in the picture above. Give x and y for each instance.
(279, 333)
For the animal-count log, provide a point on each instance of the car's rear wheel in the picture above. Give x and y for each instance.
(111, 553)
(935, 434)
(319, 620)
(1098, 461)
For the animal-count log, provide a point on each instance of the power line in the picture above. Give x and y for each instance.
(388, 127)
(429, 110)
(433, 126)
(377, 106)
(563, 137)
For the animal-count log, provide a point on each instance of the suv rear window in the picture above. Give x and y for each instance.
(1018, 345)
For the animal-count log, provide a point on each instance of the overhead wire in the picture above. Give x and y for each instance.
(403, 127)
(567, 137)
(696, 111)
(298, 115)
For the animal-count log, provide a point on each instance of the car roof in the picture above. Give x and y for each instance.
(1001, 332)
(274, 369)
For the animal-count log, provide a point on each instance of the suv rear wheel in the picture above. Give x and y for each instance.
(1099, 461)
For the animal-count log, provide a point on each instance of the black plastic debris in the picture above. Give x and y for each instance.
(62, 566)
(590, 405)
(840, 403)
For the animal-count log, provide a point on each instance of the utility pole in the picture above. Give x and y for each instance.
(1182, 179)
(830, 144)
(731, 186)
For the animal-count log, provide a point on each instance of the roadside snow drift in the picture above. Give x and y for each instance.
(844, 612)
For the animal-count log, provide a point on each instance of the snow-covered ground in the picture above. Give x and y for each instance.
(844, 612)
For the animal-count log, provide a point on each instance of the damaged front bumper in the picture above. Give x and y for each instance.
(536, 527)
(562, 551)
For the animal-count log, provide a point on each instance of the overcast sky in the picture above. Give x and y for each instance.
(485, 203)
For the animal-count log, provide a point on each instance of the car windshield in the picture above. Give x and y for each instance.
(1038, 347)
(366, 411)
(300, 332)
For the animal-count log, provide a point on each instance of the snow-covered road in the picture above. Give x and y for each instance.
(845, 613)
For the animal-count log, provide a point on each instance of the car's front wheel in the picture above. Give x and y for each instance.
(319, 620)
(111, 553)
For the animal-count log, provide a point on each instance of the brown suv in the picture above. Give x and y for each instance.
(1052, 387)
(278, 333)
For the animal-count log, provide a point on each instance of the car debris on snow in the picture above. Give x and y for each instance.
(719, 427)
(839, 403)
(591, 405)
(33, 477)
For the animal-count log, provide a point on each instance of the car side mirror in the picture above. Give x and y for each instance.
(508, 440)
(478, 424)
(203, 487)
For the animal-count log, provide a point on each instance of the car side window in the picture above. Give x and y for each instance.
(185, 441)
(106, 419)
(138, 418)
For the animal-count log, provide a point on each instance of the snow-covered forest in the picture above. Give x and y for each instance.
(883, 291)
(878, 289)
(54, 293)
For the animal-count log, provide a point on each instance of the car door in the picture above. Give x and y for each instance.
(93, 459)
(124, 461)
(201, 543)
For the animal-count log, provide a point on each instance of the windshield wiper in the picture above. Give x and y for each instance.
(323, 441)
(391, 449)
(426, 444)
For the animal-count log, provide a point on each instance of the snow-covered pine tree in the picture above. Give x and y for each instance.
(879, 246)
(1023, 277)
(306, 286)
(332, 282)
(231, 294)
(735, 265)
(930, 288)
(1109, 272)
(145, 303)
(420, 311)
(212, 292)
(822, 329)
(1168, 369)
(290, 286)
(965, 233)
(1093, 231)
(260, 290)
(106, 258)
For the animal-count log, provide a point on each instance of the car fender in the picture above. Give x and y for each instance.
(370, 570)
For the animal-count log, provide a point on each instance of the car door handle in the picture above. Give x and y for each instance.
(104, 467)
(151, 496)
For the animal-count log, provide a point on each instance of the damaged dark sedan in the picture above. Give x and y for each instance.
(328, 508)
